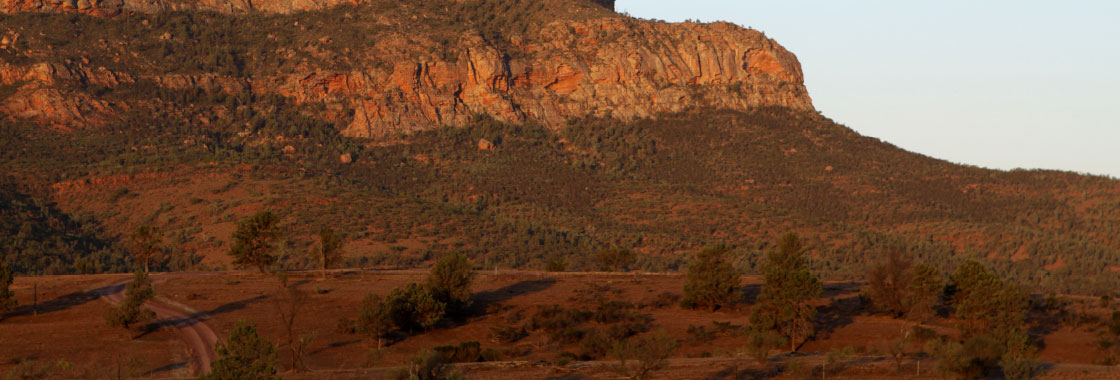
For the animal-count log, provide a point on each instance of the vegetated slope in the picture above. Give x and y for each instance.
(204, 118)
(39, 238)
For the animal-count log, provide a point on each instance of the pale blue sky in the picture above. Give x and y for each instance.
(1000, 84)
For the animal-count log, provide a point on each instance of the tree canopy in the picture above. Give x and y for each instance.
(254, 241)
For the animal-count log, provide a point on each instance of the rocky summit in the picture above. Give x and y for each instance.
(426, 72)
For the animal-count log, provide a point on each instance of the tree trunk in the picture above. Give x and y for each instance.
(323, 260)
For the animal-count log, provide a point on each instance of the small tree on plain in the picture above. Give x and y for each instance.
(889, 283)
(244, 355)
(290, 301)
(1020, 360)
(131, 311)
(924, 293)
(712, 281)
(450, 282)
(146, 244)
(986, 304)
(7, 297)
(413, 308)
(373, 319)
(254, 241)
(639, 357)
(784, 303)
(330, 249)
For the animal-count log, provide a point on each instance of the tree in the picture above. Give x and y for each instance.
(413, 308)
(373, 319)
(131, 310)
(639, 357)
(289, 301)
(450, 281)
(985, 303)
(330, 249)
(924, 292)
(889, 282)
(7, 297)
(899, 287)
(146, 243)
(1020, 361)
(712, 281)
(784, 303)
(614, 259)
(244, 355)
(254, 240)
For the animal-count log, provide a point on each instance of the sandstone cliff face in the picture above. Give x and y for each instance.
(108, 8)
(609, 67)
(600, 66)
(43, 95)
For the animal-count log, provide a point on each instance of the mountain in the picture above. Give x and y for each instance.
(520, 132)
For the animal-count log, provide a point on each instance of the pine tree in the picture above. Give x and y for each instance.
(784, 303)
(244, 356)
(254, 240)
(985, 303)
(146, 243)
(924, 292)
(712, 281)
(450, 282)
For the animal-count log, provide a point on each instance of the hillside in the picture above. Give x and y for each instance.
(604, 131)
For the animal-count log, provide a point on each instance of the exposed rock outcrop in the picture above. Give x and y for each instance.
(608, 67)
(601, 65)
(109, 8)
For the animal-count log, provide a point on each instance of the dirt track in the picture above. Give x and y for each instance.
(199, 338)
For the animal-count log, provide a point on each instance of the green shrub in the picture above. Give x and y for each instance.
(712, 281)
(244, 355)
(413, 308)
(131, 310)
(640, 357)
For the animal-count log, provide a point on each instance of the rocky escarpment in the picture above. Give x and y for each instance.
(108, 8)
(609, 67)
(411, 75)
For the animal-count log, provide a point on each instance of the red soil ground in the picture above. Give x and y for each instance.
(70, 328)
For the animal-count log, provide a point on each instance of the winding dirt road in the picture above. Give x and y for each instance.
(200, 339)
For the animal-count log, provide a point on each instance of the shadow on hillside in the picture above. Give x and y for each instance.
(232, 306)
(840, 289)
(341, 343)
(166, 368)
(838, 313)
(481, 300)
(735, 373)
(58, 304)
